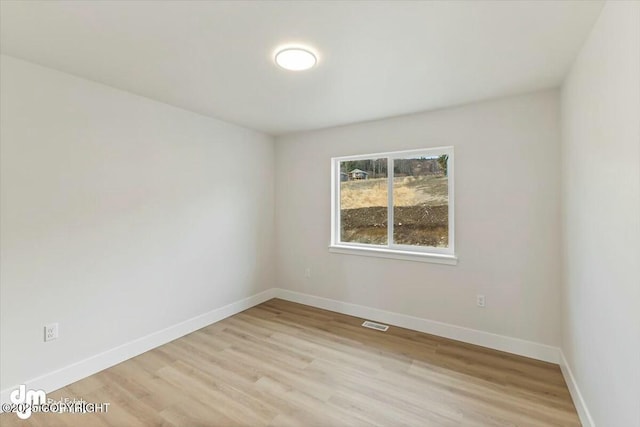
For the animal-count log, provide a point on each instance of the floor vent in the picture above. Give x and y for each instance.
(376, 326)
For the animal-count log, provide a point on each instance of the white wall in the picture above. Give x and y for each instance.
(601, 210)
(121, 216)
(507, 218)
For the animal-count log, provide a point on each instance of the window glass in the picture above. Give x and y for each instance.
(421, 201)
(363, 201)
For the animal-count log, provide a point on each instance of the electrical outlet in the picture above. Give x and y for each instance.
(51, 332)
(480, 301)
(307, 272)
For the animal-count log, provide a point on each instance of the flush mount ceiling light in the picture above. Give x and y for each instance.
(295, 59)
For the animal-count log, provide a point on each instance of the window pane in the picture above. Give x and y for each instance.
(421, 201)
(363, 201)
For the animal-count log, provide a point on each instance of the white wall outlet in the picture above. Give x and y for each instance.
(307, 272)
(480, 300)
(51, 332)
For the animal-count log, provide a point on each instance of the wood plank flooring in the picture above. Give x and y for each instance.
(286, 364)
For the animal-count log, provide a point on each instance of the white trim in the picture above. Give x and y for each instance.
(383, 252)
(578, 400)
(335, 200)
(451, 201)
(390, 202)
(83, 368)
(393, 154)
(512, 345)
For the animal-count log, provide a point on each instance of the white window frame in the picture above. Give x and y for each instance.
(392, 250)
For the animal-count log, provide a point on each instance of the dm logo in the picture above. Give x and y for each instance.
(25, 399)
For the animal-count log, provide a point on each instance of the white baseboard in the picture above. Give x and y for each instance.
(578, 400)
(82, 369)
(517, 346)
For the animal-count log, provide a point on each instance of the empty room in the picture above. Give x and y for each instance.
(320, 213)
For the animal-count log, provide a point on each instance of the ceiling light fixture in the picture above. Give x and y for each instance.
(295, 59)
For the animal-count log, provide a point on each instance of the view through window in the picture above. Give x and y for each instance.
(398, 200)
(363, 201)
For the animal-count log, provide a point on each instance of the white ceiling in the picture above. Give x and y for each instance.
(376, 59)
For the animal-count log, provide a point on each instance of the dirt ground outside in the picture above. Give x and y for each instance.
(421, 211)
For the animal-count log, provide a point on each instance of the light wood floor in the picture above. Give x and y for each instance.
(286, 364)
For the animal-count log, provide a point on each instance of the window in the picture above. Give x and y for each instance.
(395, 205)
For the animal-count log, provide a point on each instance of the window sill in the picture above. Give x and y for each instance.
(395, 254)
